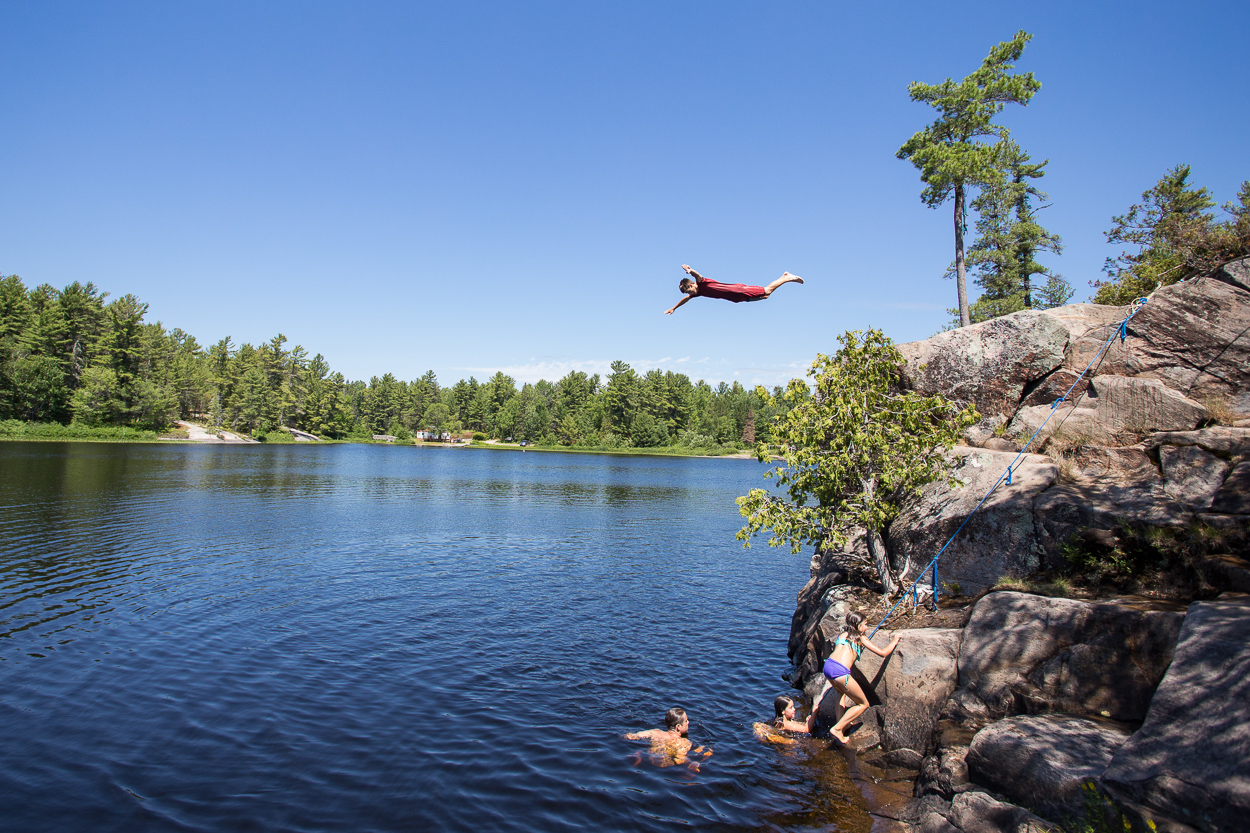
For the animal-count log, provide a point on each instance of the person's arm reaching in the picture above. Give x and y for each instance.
(683, 300)
(867, 643)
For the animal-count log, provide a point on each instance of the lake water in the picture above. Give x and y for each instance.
(352, 638)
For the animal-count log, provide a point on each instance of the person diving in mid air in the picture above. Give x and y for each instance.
(701, 287)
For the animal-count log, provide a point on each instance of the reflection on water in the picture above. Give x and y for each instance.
(352, 638)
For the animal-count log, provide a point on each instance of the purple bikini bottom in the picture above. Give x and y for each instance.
(834, 670)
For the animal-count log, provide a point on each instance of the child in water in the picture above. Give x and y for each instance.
(701, 287)
(784, 721)
(846, 649)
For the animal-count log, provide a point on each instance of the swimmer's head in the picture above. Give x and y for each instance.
(781, 704)
(687, 285)
(675, 718)
(854, 623)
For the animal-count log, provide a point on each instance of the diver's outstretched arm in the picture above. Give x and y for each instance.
(683, 300)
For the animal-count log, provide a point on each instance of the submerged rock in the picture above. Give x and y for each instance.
(976, 812)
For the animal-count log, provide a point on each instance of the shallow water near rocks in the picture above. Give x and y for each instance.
(348, 638)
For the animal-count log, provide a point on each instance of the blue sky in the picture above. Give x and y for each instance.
(471, 187)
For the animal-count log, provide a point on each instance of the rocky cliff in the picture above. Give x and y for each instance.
(1040, 708)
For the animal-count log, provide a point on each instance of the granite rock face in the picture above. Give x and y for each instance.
(1190, 761)
(1235, 274)
(1042, 762)
(1194, 337)
(1233, 496)
(1143, 405)
(1026, 654)
(1112, 406)
(913, 684)
(1046, 690)
(989, 364)
(1193, 475)
(1001, 540)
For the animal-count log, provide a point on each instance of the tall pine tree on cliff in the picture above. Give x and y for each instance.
(1004, 255)
(949, 152)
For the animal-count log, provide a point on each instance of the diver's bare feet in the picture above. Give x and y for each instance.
(790, 277)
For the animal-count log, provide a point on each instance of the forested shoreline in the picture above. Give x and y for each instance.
(74, 357)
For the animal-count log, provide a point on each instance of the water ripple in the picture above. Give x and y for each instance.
(368, 638)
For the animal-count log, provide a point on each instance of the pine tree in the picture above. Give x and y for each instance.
(948, 152)
(1172, 209)
(1004, 256)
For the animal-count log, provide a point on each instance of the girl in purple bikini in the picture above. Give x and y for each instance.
(846, 649)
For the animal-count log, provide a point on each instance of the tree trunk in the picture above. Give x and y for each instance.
(964, 318)
(880, 560)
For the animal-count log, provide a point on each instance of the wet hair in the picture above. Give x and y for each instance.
(686, 284)
(673, 717)
(781, 704)
(853, 620)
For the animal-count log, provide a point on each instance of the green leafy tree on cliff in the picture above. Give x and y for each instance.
(949, 154)
(851, 452)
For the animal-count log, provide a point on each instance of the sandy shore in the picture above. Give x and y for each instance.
(197, 433)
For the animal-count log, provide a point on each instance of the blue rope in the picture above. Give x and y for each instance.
(1121, 330)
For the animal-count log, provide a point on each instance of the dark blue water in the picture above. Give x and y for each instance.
(353, 638)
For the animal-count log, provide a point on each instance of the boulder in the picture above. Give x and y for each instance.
(1042, 762)
(913, 684)
(1233, 497)
(1192, 336)
(1192, 475)
(1026, 654)
(1236, 274)
(1112, 405)
(1218, 439)
(1190, 761)
(1141, 405)
(990, 363)
(1001, 540)
(1076, 425)
(976, 812)
(944, 773)
(1001, 444)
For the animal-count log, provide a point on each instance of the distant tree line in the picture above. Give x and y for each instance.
(72, 355)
